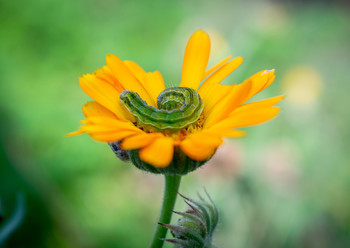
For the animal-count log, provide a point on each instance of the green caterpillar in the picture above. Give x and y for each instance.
(178, 107)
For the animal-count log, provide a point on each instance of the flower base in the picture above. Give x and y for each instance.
(180, 165)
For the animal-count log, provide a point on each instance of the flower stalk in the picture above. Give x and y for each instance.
(172, 184)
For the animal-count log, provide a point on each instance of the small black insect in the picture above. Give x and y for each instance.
(123, 155)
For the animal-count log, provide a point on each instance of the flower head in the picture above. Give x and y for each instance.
(165, 127)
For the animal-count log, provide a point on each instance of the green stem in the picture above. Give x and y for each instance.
(172, 184)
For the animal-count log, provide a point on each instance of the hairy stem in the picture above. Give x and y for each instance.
(172, 184)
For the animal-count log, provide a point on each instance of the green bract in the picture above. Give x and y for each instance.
(196, 227)
(180, 165)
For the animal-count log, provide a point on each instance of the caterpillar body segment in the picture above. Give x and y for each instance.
(178, 107)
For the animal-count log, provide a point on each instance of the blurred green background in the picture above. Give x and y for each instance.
(285, 185)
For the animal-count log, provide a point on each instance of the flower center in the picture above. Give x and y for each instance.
(178, 107)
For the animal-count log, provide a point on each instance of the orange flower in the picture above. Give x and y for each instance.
(225, 110)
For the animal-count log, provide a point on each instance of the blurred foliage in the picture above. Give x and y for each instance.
(15, 220)
(288, 184)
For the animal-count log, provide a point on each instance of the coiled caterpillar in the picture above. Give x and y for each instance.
(178, 107)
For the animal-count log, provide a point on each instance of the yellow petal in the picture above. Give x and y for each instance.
(226, 132)
(205, 139)
(75, 133)
(106, 74)
(111, 136)
(248, 118)
(154, 84)
(159, 153)
(105, 94)
(195, 60)
(216, 92)
(110, 122)
(231, 101)
(93, 108)
(139, 140)
(221, 74)
(137, 70)
(220, 105)
(259, 104)
(108, 129)
(218, 65)
(260, 81)
(98, 128)
(103, 125)
(200, 146)
(270, 80)
(196, 153)
(126, 78)
(153, 81)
